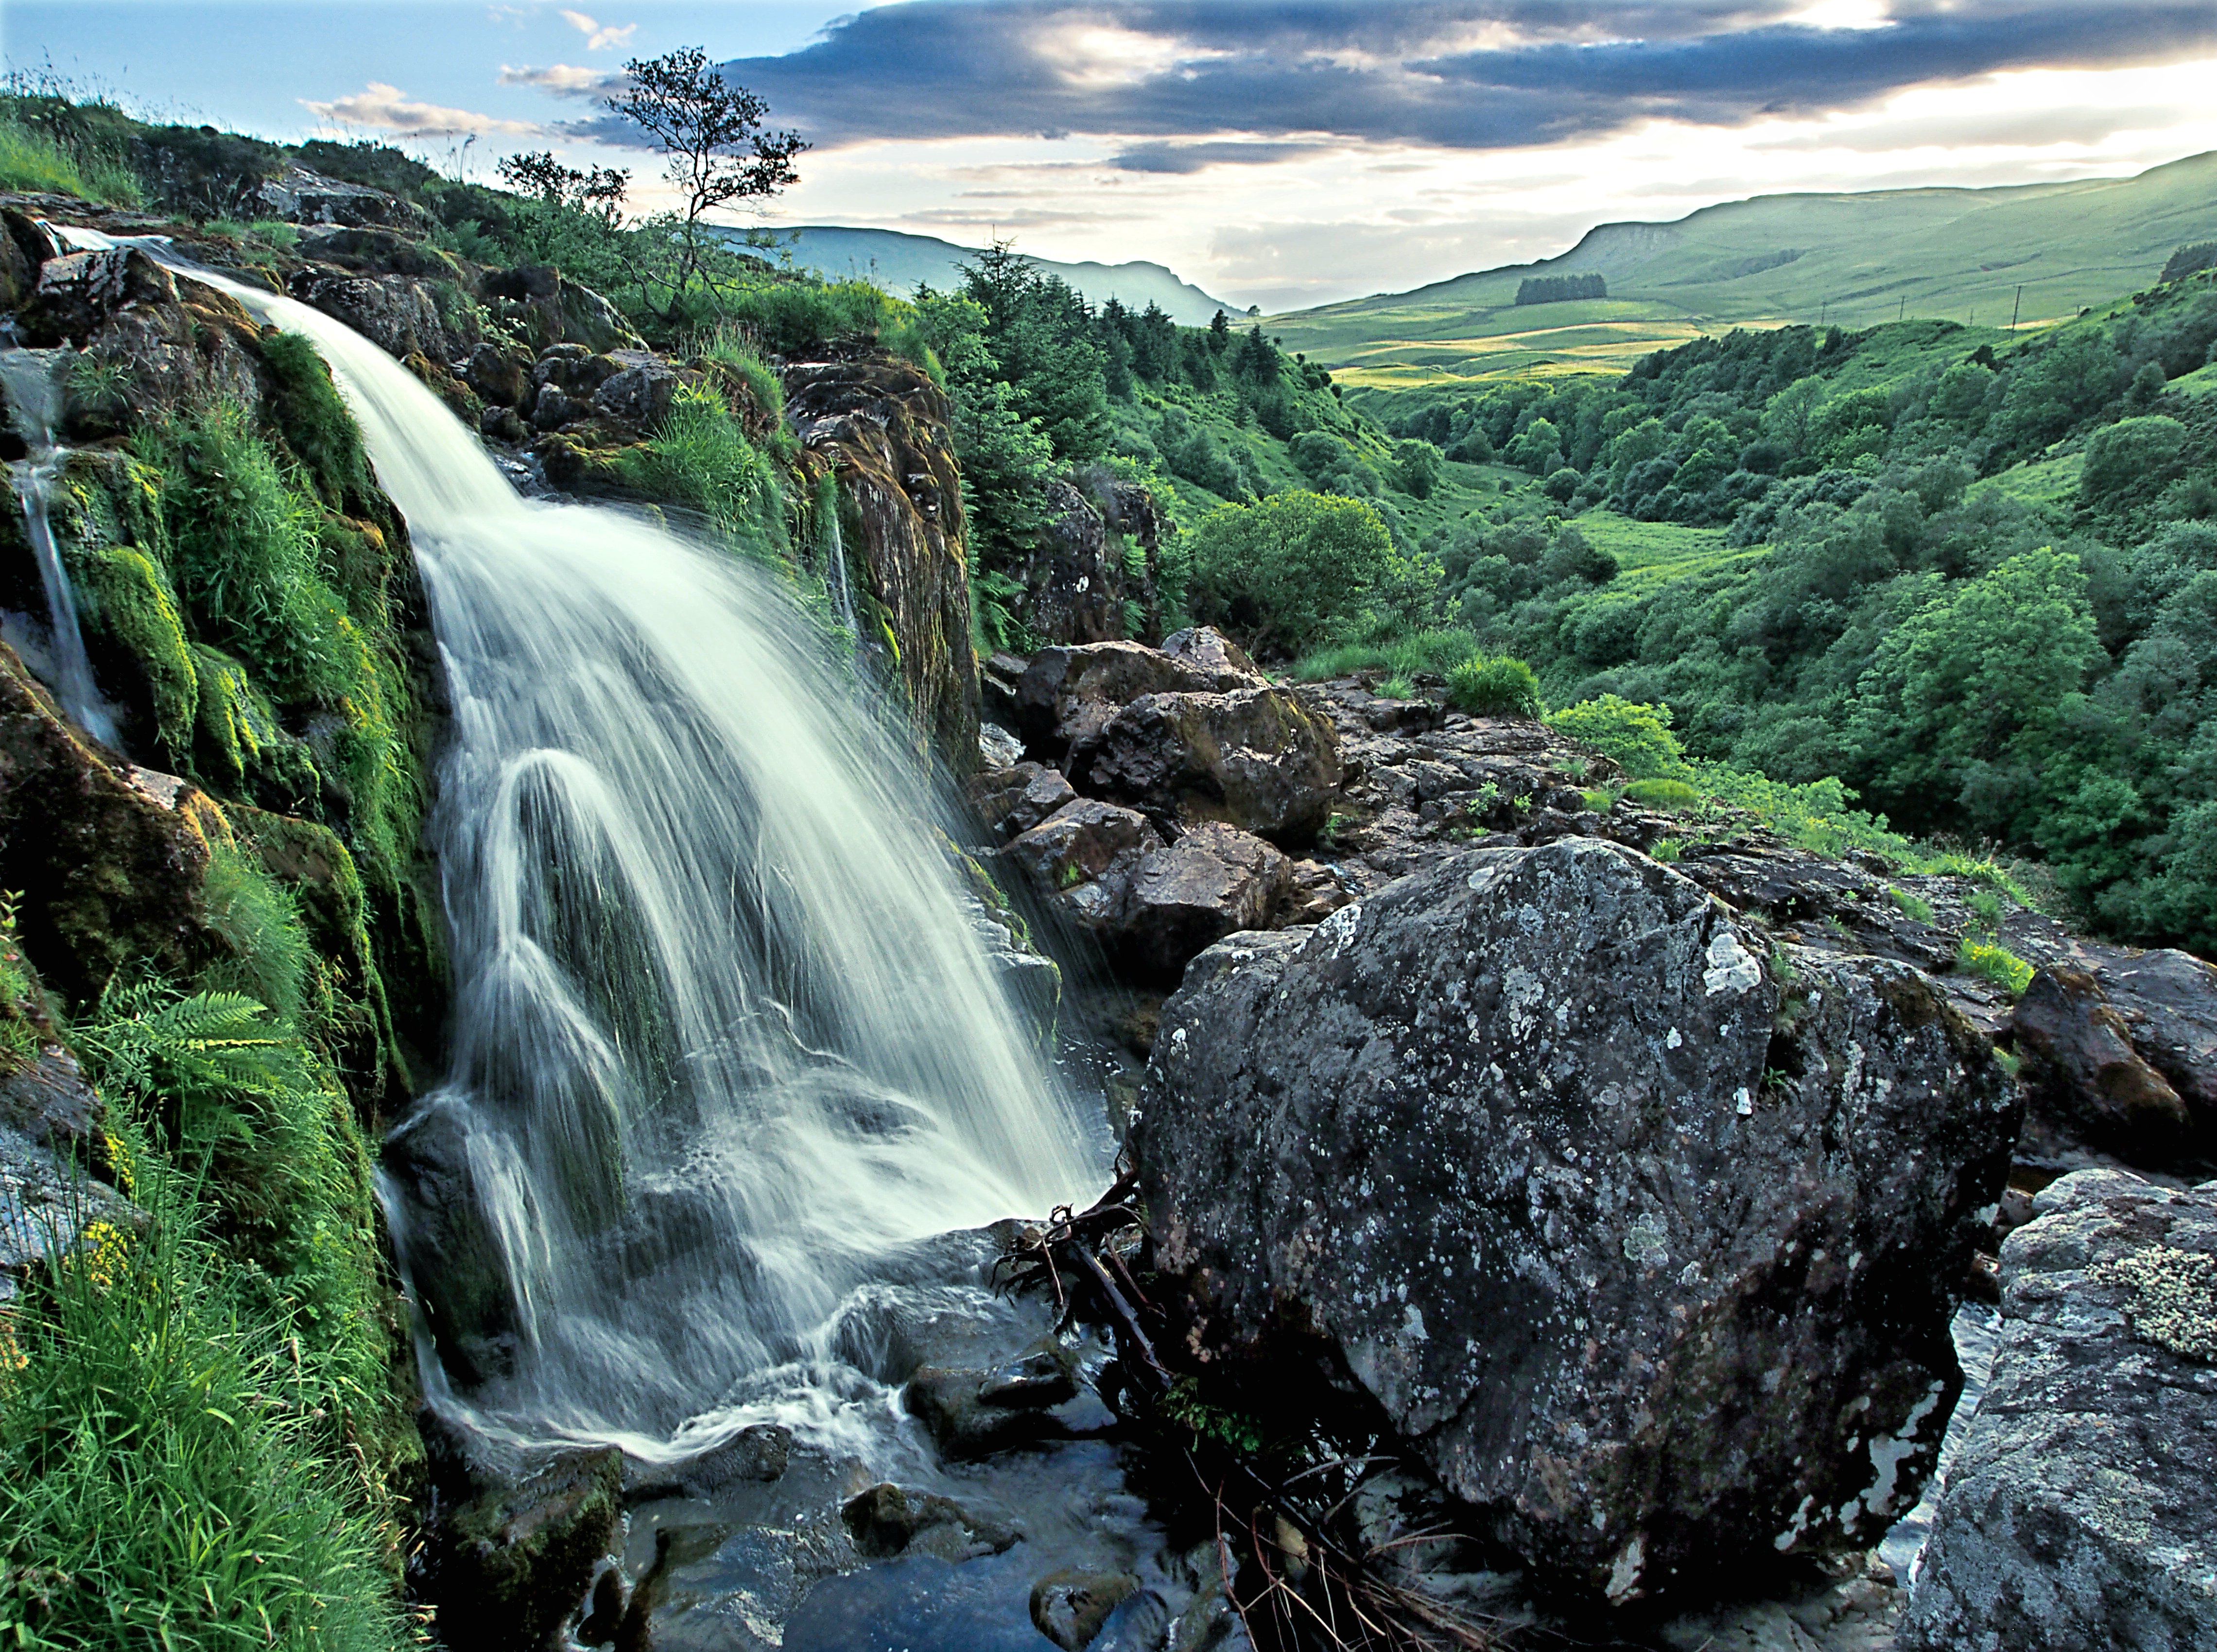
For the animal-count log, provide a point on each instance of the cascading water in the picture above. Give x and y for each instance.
(724, 1038)
(35, 407)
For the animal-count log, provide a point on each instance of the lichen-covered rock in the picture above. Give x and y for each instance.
(885, 430)
(2080, 1512)
(2125, 1050)
(402, 315)
(1254, 757)
(301, 196)
(1646, 1243)
(1073, 592)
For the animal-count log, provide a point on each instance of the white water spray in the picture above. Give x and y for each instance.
(724, 1039)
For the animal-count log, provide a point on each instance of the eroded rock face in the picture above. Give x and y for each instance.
(2126, 1050)
(2079, 1513)
(1647, 1245)
(884, 428)
(1254, 757)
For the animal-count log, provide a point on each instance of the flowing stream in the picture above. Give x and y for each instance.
(725, 1046)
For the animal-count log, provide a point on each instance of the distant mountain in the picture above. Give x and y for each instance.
(1853, 259)
(898, 261)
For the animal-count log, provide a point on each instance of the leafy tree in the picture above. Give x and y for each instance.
(2132, 453)
(1419, 463)
(717, 148)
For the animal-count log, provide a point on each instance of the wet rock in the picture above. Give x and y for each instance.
(48, 1199)
(973, 1414)
(1214, 881)
(1070, 1607)
(1074, 852)
(402, 315)
(500, 374)
(1066, 697)
(2078, 1512)
(996, 747)
(885, 430)
(1074, 590)
(1207, 649)
(553, 408)
(544, 307)
(111, 874)
(468, 1303)
(1254, 757)
(1858, 1615)
(516, 1544)
(1647, 1245)
(2125, 1051)
(887, 1520)
(759, 1453)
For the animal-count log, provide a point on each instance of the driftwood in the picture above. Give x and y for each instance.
(1298, 1571)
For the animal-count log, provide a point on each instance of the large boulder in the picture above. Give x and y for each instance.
(2078, 1512)
(1213, 882)
(2125, 1052)
(1066, 697)
(1153, 906)
(1255, 758)
(516, 1536)
(1643, 1235)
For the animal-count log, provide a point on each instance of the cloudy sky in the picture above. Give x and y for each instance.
(1276, 151)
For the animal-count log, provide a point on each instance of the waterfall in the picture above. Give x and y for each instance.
(724, 1041)
(33, 405)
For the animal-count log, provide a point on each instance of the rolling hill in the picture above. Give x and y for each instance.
(1856, 259)
(898, 261)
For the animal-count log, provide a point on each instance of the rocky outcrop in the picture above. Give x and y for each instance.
(1067, 696)
(2126, 1050)
(1255, 758)
(883, 428)
(1644, 1236)
(2078, 1512)
(298, 195)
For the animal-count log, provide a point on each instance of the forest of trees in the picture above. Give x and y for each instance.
(1556, 289)
(1980, 587)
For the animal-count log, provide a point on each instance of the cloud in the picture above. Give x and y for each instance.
(1182, 159)
(1457, 74)
(564, 79)
(388, 108)
(599, 37)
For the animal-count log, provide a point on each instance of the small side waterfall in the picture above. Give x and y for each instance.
(724, 1041)
(34, 403)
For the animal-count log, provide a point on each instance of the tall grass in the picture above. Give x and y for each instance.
(699, 459)
(1435, 651)
(35, 160)
(169, 1474)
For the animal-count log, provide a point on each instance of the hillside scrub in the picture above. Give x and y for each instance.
(1288, 571)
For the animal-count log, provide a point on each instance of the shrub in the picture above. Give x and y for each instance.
(1287, 570)
(791, 318)
(1494, 687)
(1636, 737)
(1662, 794)
(2132, 454)
(1997, 964)
(1913, 908)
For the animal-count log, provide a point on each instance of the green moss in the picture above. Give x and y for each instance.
(303, 407)
(128, 600)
